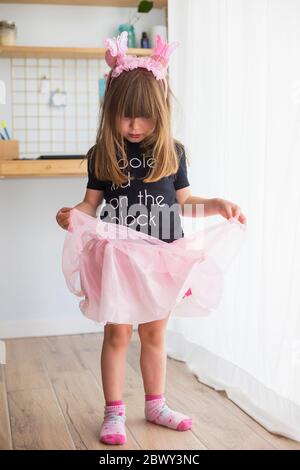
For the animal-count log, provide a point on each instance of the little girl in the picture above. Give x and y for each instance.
(136, 163)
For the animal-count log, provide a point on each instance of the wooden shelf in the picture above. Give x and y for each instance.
(63, 52)
(23, 168)
(100, 3)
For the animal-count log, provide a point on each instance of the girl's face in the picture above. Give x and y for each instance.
(136, 129)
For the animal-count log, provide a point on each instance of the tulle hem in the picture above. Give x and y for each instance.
(128, 277)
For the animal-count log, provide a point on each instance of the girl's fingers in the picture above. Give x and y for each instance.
(63, 214)
(226, 212)
(236, 211)
(243, 219)
(63, 220)
(64, 223)
(63, 217)
(229, 212)
(65, 211)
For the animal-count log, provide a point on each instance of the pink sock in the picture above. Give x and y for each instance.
(156, 411)
(113, 426)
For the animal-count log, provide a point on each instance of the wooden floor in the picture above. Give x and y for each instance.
(51, 398)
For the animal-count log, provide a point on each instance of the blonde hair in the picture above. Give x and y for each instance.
(135, 93)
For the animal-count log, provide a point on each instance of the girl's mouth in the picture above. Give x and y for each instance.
(135, 136)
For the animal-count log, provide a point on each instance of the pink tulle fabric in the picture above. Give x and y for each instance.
(128, 277)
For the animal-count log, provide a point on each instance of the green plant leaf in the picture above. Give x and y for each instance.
(145, 6)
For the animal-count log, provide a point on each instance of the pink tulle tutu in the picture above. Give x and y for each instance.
(126, 276)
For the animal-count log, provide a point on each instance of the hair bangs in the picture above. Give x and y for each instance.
(138, 100)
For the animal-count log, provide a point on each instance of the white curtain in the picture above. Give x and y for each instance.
(236, 77)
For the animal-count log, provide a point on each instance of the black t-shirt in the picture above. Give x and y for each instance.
(147, 207)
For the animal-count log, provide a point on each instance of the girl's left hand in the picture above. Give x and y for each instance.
(228, 209)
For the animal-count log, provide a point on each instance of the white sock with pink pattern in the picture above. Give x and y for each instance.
(158, 412)
(113, 426)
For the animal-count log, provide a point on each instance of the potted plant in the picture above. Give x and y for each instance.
(144, 7)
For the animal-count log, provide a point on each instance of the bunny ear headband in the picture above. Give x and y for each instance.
(117, 59)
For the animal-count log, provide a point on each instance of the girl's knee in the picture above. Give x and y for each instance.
(117, 335)
(151, 335)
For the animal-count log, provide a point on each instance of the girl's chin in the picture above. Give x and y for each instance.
(134, 139)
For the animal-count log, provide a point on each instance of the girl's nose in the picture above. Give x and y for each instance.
(134, 125)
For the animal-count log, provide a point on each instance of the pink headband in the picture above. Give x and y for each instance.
(119, 62)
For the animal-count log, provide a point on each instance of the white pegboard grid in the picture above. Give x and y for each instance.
(43, 129)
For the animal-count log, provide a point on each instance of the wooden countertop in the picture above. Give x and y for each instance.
(24, 168)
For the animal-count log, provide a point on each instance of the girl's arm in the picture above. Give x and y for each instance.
(92, 199)
(188, 204)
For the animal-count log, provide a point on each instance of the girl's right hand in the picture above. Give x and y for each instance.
(63, 217)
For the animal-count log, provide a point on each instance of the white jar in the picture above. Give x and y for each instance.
(158, 29)
(8, 33)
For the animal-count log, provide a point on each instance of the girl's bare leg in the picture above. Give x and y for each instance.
(153, 358)
(113, 359)
(153, 365)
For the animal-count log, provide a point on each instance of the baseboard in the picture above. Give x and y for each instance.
(53, 327)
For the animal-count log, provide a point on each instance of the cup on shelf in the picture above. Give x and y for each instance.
(9, 149)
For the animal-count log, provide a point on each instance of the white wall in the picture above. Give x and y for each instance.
(70, 26)
(34, 296)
